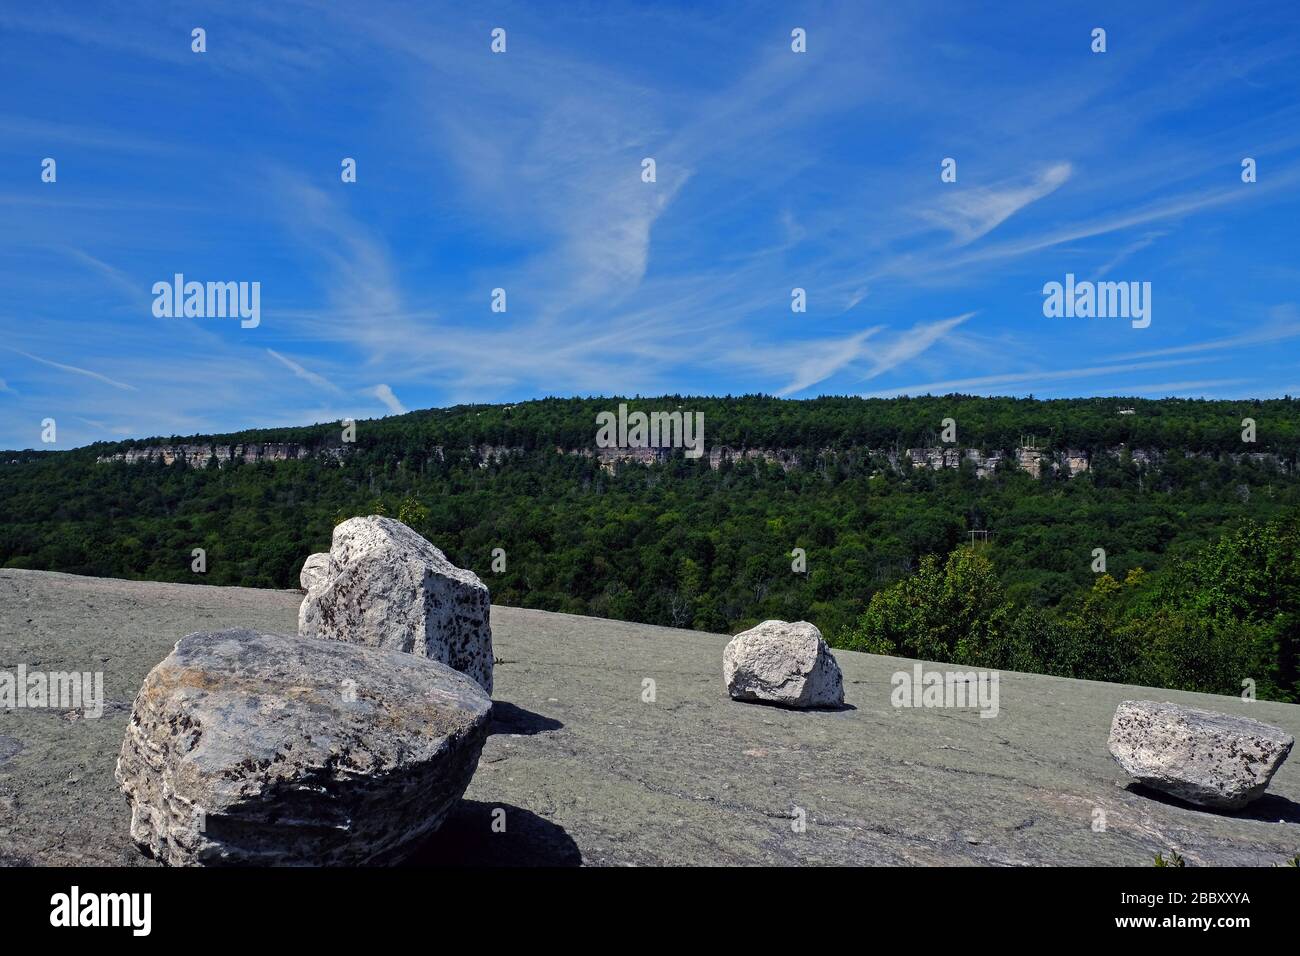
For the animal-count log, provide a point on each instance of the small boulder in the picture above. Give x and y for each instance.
(386, 586)
(1199, 756)
(263, 749)
(314, 570)
(783, 663)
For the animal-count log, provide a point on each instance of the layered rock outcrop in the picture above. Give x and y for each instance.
(1028, 458)
(202, 454)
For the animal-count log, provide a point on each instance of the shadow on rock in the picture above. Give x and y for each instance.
(467, 838)
(1270, 808)
(509, 719)
(835, 708)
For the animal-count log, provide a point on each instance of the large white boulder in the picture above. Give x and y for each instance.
(783, 663)
(1202, 757)
(386, 586)
(264, 749)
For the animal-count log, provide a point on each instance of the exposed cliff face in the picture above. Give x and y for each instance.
(198, 456)
(487, 454)
(784, 457)
(1069, 462)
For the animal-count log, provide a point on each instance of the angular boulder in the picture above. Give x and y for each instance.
(386, 586)
(783, 663)
(1199, 756)
(314, 570)
(264, 749)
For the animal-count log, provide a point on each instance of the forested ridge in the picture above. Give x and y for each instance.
(1193, 425)
(1201, 548)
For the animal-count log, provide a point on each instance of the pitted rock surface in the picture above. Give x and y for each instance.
(1202, 757)
(386, 586)
(783, 663)
(264, 749)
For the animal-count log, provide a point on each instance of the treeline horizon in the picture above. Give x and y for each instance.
(1089, 424)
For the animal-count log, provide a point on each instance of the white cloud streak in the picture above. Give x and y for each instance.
(77, 371)
(320, 381)
(385, 395)
(1021, 378)
(971, 212)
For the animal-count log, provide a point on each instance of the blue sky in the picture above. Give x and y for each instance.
(522, 171)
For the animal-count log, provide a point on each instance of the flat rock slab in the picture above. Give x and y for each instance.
(386, 586)
(1203, 757)
(251, 748)
(784, 663)
(587, 769)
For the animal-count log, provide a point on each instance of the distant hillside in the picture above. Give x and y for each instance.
(795, 509)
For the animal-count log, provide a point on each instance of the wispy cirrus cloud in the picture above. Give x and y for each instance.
(76, 371)
(350, 260)
(1285, 327)
(1122, 255)
(1023, 378)
(969, 213)
(816, 361)
(1154, 212)
(320, 381)
(131, 290)
(908, 345)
